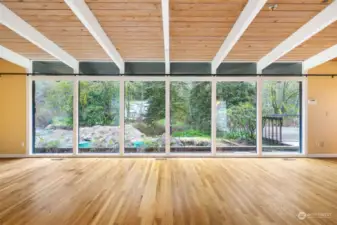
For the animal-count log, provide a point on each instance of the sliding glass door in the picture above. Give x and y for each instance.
(236, 117)
(98, 112)
(53, 116)
(281, 116)
(144, 110)
(190, 120)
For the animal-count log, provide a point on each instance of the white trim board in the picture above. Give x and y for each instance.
(333, 155)
(168, 78)
(10, 156)
(320, 58)
(172, 155)
(166, 33)
(151, 155)
(14, 57)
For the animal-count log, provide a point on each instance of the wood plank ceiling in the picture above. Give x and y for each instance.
(16, 43)
(270, 28)
(134, 27)
(197, 29)
(56, 21)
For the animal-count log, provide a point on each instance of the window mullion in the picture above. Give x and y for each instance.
(304, 117)
(75, 116)
(121, 116)
(259, 87)
(167, 117)
(213, 117)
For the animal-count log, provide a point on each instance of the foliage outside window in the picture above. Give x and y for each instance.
(144, 116)
(236, 117)
(281, 116)
(190, 116)
(53, 116)
(98, 116)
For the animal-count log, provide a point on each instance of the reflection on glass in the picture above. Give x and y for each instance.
(190, 116)
(53, 116)
(236, 117)
(281, 116)
(98, 117)
(144, 117)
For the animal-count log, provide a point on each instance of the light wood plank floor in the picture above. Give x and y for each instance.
(174, 191)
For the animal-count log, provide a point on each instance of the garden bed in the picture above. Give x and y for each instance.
(200, 149)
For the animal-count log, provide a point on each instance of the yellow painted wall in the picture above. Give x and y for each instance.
(12, 109)
(322, 117)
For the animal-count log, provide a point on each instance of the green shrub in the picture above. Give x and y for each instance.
(63, 122)
(155, 145)
(99, 103)
(161, 122)
(232, 135)
(242, 121)
(150, 129)
(50, 144)
(190, 133)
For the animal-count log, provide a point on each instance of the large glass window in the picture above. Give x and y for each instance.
(281, 118)
(53, 117)
(236, 117)
(145, 121)
(144, 117)
(99, 117)
(190, 116)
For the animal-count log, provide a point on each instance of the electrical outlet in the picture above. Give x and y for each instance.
(320, 144)
(23, 144)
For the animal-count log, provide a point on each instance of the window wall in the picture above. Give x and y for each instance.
(163, 115)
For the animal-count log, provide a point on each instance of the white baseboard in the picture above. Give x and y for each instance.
(164, 156)
(11, 156)
(282, 155)
(322, 155)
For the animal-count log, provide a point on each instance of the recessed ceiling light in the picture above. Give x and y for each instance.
(272, 7)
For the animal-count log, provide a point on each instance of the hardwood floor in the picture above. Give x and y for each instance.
(174, 191)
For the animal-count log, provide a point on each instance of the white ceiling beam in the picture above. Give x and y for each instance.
(247, 16)
(320, 58)
(315, 25)
(14, 57)
(88, 19)
(166, 33)
(25, 30)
